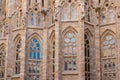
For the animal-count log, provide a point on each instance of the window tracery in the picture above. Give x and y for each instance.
(31, 19)
(38, 19)
(2, 63)
(70, 52)
(87, 58)
(103, 16)
(73, 12)
(34, 61)
(34, 17)
(109, 59)
(65, 12)
(111, 14)
(52, 62)
(69, 10)
(87, 11)
(18, 52)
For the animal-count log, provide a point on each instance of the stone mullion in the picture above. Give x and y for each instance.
(80, 43)
(97, 54)
(57, 51)
(10, 61)
(44, 55)
(57, 42)
(117, 42)
(23, 55)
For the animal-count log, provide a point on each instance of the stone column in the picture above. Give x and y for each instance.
(10, 54)
(44, 54)
(57, 50)
(23, 55)
(80, 42)
(57, 41)
(97, 54)
(118, 41)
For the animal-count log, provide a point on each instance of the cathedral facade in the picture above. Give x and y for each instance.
(59, 39)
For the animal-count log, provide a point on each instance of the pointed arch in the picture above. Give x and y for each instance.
(17, 36)
(34, 57)
(108, 55)
(2, 45)
(65, 12)
(69, 28)
(38, 19)
(108, 32)
(18, 48)
(52, 36)
(31, 18)
(111, 15)
(35, 35)
(103, 15)
(69, 50)
(52, 56)
(73, 11)
(88, 32)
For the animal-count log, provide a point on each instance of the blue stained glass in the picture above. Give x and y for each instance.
(30, 55)
(38, 56)
(32, 19)
(37, 45)
(34, 49)
(35, 55)
(34, 40)
(31, 44)
(66, 65)
(39, 48)
(30, 48)
(38, 24)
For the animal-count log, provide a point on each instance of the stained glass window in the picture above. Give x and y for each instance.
(109, 59)
(73, 12)
(52, 61)
(87, 58)
(65, 12)
(38, 19)
(31, 19)
(18, 52)
(2, 63)
(111, 15)
(70, 52)
(103, 16)
(34, 59)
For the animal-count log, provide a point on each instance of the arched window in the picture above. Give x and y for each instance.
(73, 11)
(2, 63)
(52, 61)
(18, 52)
(70, 52)
(111, 15)
(31, 19)
(65, 12)
(108, 58)
(87, 58)
(38, 19)
(33, 69)
(103, 16)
